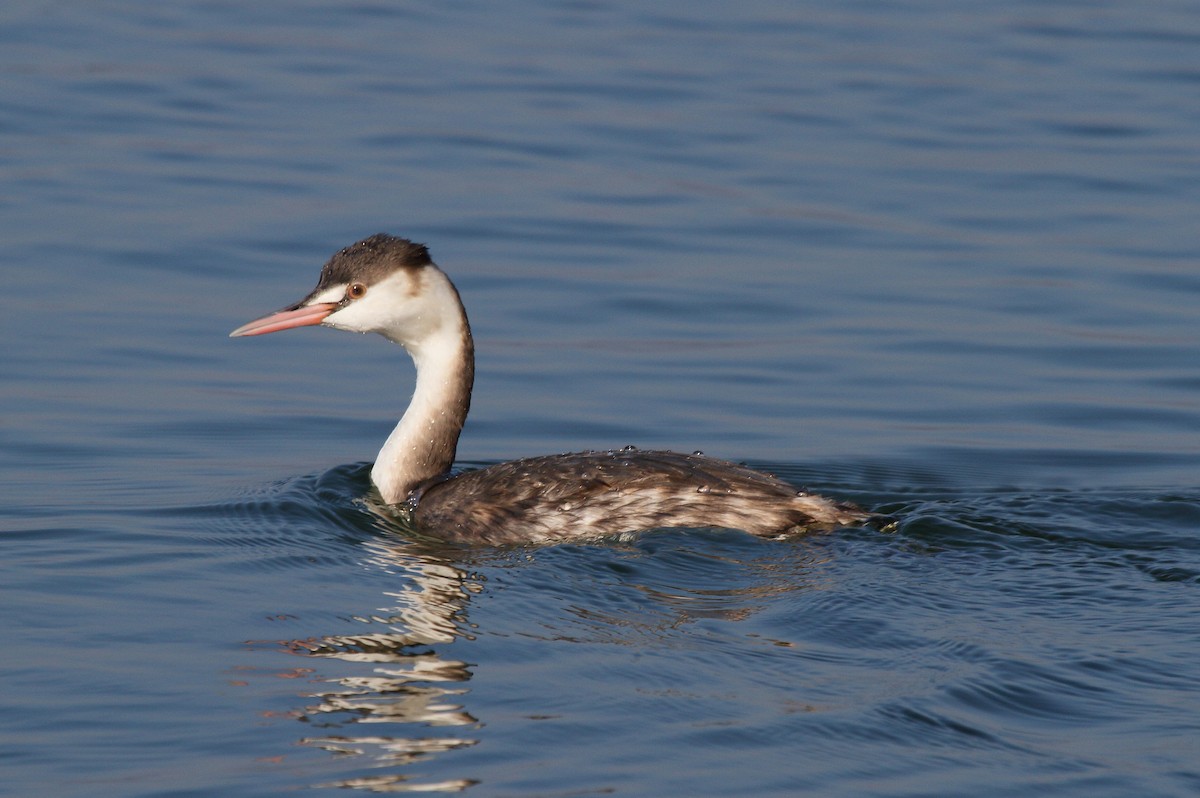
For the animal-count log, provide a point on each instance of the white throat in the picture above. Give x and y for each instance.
(423, 444)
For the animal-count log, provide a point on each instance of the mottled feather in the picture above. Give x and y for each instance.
(598, 494)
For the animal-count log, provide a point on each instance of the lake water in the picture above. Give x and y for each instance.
(940, 259)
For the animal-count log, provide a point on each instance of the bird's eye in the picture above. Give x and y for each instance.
(356, 290)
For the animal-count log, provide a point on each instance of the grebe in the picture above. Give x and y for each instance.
(389, 285)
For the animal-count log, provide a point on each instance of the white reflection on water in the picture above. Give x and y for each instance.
(412, 686)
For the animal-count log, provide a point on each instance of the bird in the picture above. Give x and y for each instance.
(390, 285)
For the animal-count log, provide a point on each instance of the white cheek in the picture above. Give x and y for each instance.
(393, 306)
(351, 317)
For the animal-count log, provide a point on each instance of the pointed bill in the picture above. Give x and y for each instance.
(304, 316)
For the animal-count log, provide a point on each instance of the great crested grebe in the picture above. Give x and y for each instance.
(389, 285)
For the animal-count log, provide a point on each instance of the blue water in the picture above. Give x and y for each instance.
(936, 258)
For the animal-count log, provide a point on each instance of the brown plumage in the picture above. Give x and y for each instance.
(596, 494)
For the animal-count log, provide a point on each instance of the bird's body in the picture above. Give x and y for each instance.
(596, 494)
(390, 286)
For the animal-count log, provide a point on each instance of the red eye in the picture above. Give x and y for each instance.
(356, 290)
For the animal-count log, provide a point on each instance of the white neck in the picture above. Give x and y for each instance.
(423, 444)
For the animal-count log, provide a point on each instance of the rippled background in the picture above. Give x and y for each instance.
(939, 259)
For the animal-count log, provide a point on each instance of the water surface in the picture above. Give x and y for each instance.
(936, 260)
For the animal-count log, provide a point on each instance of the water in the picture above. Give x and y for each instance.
(933, 258)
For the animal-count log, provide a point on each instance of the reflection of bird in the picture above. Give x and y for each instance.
(389, 286)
